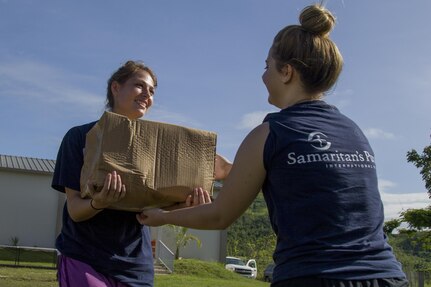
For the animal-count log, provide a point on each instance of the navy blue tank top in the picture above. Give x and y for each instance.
(322, 196)
(113, 242)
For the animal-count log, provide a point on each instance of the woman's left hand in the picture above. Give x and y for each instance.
(152, 217)
(200, 196)
(197, 197)
(222, 167)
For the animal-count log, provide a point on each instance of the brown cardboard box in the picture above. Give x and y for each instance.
(159, 163)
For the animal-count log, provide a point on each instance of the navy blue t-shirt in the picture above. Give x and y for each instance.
(112, 242)
(322, 196)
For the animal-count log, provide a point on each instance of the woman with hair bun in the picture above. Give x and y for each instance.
(315, 168)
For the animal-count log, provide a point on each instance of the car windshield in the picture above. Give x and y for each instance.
(235, 261)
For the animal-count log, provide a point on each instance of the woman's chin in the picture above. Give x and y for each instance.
(137, 114)
(270, 100)
(141, 112)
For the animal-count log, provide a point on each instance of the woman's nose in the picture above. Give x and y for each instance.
(146, 93)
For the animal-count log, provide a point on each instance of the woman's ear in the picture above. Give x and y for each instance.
(287, 73)
(115, 87)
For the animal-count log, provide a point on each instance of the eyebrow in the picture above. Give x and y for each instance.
(143, 82)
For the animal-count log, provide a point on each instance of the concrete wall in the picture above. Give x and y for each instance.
(28, 209)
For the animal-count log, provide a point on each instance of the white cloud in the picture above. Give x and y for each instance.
(34, 81)
(394, 204)
(374, 133)
(385, 184)
(251, 120)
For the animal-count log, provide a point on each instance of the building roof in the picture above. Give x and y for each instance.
(38, 165)
(27, 164)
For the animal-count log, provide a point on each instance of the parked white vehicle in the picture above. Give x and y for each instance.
(248, 269)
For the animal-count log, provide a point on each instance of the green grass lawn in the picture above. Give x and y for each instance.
(195, 281)
(28, 258)
(188, 273)
(27, 277)
(197, 273)
(30, 277)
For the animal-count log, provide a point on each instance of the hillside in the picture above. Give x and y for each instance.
(251, 235)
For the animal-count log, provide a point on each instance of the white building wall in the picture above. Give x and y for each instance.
(212, 248)
(28, 209)
(32, 211)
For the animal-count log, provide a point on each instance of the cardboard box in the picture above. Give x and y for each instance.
(159, 163)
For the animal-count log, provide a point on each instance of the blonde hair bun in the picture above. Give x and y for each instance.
(317, 20)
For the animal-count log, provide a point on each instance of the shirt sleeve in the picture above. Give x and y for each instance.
(70, 158)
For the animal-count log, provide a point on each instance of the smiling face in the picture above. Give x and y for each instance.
(134, 97)
(272, 80)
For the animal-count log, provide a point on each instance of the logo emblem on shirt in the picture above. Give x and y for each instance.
(318, 141)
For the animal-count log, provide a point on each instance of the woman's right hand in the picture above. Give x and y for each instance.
(113, 191)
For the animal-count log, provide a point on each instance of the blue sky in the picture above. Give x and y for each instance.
(56, 56)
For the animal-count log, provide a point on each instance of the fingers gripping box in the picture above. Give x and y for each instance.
(159, 163)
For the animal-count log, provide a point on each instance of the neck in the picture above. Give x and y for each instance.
(294, 93)
(303, 100)
(300, 98)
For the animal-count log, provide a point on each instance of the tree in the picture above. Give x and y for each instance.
(14, 240)
(417, 219)
(419, 237)
(251, 235)
(416, 239)
(423, 162)
(391, 225)
(182, 238)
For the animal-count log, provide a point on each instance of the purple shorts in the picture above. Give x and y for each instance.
(74, 273)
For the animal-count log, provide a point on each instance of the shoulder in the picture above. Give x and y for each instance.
(271, 117)
(75, 136)
(81, 129)
(79, 132)
(255, 140)
(261, 130)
